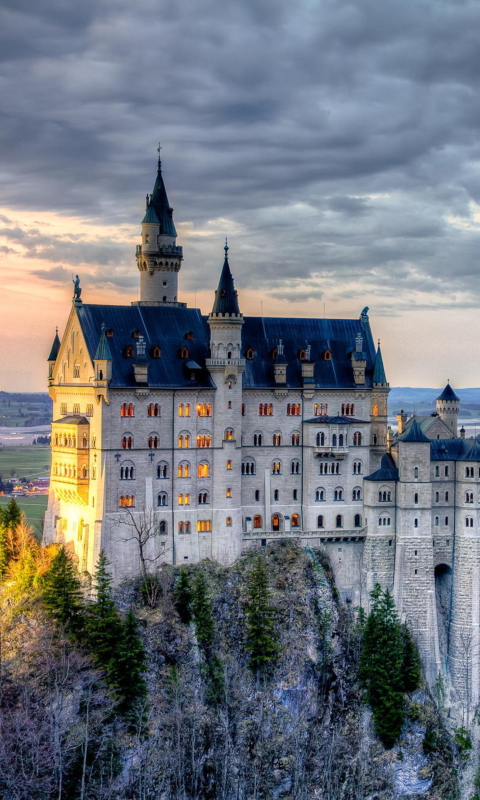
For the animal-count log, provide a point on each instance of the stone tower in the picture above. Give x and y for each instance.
(378, 410)
(448, 405)
(158, 257)
(226, 366)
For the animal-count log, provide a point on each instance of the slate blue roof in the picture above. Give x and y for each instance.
(167, 327)
(448, 394)
(379, 370)
(338, 420)
(55, 348)
(388, 470)
(161, 206)
(102, 352)
(455, 450)
(150, 215)
(226, 301)
(414, 434)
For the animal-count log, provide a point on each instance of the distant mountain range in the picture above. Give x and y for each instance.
(422, 400)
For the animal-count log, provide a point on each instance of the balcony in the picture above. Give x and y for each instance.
(331, 452)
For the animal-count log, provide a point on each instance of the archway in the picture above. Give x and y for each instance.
(277, 522)
(443, 594)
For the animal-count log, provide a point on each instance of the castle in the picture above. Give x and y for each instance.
(188, 437)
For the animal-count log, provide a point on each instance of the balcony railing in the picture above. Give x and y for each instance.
(335, 452)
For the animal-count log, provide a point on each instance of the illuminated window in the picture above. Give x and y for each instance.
(127, 410)
(250, 353)
(229, 434)
(228, 493)
(375, 410)
(327, 356)
(295, 439)
(293, 409)
(204, 525)
(183, 470)
(203, 470)
(302, 355)
(265, 409)
(257, 521)
(153, 410)
(204, 410)
(127, 442)
(156, 352)
(228, 522)
(184, 441)
(204, 440)
(276, 467)
(184, 352)
(184, 410)
(295, 521)
(129, 352)
(320, 409)
(153, 442)
(277, 439)
(126, 501)
(229, 465)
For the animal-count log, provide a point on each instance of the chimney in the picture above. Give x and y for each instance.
(401, 420)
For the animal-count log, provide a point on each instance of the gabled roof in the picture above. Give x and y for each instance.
(167, 326)
(161, 206)
(414, 434)
(448, 394)
(72, 419)
(426, 423)
(378, 369)
(55, 348)
(102, 352)
(226, 300)
(388, 470)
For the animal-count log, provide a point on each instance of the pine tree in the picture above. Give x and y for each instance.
(202, 614)
(261, 642)
(4, 555)
(10, 518)
(11, 515)
(62, 595)
(128, 670)
(183, 596)
(412, 668)
(381, 664)
(104, 626)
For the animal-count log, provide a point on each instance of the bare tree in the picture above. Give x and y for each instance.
(143, 529)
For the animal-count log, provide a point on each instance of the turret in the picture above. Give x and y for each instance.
(448, 406)
(225, 319)
(53, 356)
(158, 257)
(102, 362)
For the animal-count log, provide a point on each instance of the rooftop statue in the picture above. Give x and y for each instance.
(76, 288)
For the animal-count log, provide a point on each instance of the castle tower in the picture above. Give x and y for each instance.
(448, 405)
(379, 410)
(226, 367)
(414, 579)
(158, 257)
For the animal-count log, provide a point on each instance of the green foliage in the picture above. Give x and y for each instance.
(62, 595)
(11, 515)
(215, 680)
(464, 741)
(202, 615)
(261, 641)
(129, 668)
(10, 519)
(429, 743)
(381, 666)
(182, 596)
(104, 626)
(4, 555)
(411, 668)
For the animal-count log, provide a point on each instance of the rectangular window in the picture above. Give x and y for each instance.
(76, 408)
(89, 412)
(63, 410)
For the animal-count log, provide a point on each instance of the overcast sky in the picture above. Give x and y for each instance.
(335, 143)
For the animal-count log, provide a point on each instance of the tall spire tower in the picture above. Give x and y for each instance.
(158, 257)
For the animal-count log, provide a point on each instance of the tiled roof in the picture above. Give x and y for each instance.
(388, 470)
(448, 394)
(167, 327)
(455, 450)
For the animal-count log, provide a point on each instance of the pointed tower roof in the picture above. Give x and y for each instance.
(378, 369)
(150, 216)
(160, 205)
(55, 347)
(103, 350)
(226, 301)
(448, 394)
(414, 434)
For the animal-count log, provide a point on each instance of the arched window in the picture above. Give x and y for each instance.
(84, 440)
(257, 439)
(162, 528)
(184, 352)
(275, 522)
(340, 440)
(357, 439)
(127, 410)
(156, 352)
(357, 467)
(257, 521)
(183, 441)
(276, 467)
(327, 356)
(162, 469)
(302, 355)
(129, 352)
(250, 353)
(320, 409)
(446, 521)
(295, 522)
(153, 441)
(84, 472)
(277, 439)
(437, 497)
(229, 465)
(339, 521)
(257, 494)
(415, 472)
(295, 439)
(184, 409)
(265, 409)
(320, 440)
(334, 440)
(375, 410)
(320, 521)
(228, 492)
(338, 494)
(357, 521)
(446, 471)
(183, 470)
(357, 493)
(153, 410)
(126, 501)
(127, 471)
(294, 409)
(203, 469)
(162, 499)
(203, 498)
(204, 525)
(248, 468)
(469, 522)
(320, 495)
(437, 472)
(295, 467)
(204, 410)
(127, 441)
(436, 522)
(204, 440)
(415, 522)
(446, 497)
(276, 494)
(228, 435)
(228, 522)
(415, 498)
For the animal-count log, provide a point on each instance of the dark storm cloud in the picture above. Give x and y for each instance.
(334, 141)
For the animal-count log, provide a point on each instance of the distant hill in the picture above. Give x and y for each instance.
(423, 399)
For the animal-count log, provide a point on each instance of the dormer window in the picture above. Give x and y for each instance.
(222, 293)
(302, 355)
(184, 352)
(109, 332)
(327, 356)
(250, 354)
(156, 352)
(275, 354)
(129, 352)
(189, 335)
(136, 334)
